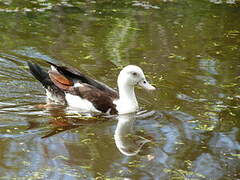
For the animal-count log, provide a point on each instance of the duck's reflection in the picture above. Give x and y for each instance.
(66, 119)
(126, 140)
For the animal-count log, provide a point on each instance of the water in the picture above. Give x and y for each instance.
(187, 129)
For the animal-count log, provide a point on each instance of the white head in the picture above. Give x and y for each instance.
(132, 75)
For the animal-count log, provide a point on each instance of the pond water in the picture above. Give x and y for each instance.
(187, 129)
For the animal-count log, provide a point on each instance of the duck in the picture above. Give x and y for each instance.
(68, 86)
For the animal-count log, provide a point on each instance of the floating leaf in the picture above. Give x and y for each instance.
(150, 157)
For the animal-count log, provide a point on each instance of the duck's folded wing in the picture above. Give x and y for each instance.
(101, 100)
(73, 74)
(61, 81)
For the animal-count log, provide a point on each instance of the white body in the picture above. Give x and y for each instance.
(78, 102)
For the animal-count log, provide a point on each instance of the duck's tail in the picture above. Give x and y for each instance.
(53, 92)
(40, 75)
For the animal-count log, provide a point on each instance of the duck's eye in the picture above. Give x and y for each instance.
(134, 73)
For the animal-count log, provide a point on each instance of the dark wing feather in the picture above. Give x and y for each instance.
(40, 74)
(75, 75)
(62, 80)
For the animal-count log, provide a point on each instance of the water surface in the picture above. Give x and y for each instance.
(187, 129)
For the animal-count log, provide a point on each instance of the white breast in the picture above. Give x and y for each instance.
(78, 102)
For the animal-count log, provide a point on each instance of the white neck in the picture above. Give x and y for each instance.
(127, 101)
(126, 92)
